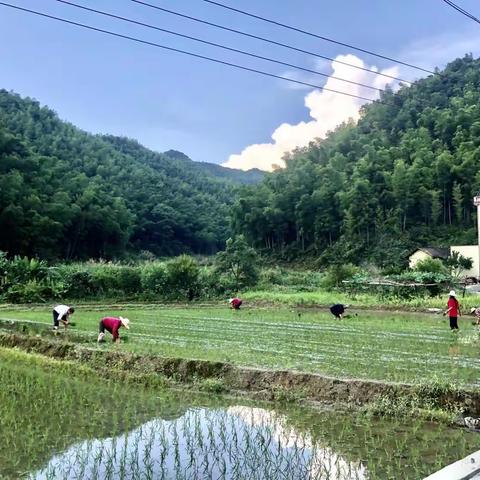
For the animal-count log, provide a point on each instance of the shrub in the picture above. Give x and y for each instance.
(431, 265)
(336, 274)
(105, 278)
(182, 277)
(153, 278)
(129, 280)
(78, 283)
(32, 291)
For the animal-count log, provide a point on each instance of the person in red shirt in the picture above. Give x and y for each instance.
(235, 303)
(112, 325)
(453, 310)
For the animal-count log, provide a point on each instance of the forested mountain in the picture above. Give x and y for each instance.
(403, 176)
(251, 176)
(65, 193)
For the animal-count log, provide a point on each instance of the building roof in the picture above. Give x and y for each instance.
(435, 252)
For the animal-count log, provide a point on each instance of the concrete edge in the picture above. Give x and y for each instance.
(465, 469)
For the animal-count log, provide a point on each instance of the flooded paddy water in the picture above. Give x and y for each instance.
(59, 421)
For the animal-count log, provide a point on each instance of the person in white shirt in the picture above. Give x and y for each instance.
(61, 313)
(476, 312)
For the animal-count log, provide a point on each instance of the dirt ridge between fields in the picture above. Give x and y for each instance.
(261, 383)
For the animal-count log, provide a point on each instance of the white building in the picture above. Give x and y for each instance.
(468, 251)
(427, 252)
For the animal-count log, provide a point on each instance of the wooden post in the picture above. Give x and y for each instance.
(476, 202)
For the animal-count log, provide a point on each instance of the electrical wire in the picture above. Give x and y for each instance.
(243, 52)
(461, 10)
(267, 40)
(185, 52)
(311, 34)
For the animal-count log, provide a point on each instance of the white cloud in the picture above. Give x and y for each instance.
(318, 64)
(437, 51)
(327, 110)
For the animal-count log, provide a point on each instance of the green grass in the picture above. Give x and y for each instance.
(373, 345)
(363, 300)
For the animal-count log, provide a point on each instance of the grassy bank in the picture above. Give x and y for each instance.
(362, 300)
(412, 348)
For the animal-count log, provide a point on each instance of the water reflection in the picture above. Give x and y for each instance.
(234, 443)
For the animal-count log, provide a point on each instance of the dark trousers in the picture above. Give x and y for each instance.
(453, 323)
(101, 327)
(55, 319)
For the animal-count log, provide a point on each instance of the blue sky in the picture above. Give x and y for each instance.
(208, 111)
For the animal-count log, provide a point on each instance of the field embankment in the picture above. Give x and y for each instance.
(432, 400)
(382, 346)
(262, 383)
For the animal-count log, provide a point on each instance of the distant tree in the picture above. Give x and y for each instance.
(457, 202)
(457, 264)
(239, 262)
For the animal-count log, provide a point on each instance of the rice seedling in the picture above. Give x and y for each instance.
(373, 345)
(164, 434)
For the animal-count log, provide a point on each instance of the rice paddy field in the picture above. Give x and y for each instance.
(58, 421)
(389, 346)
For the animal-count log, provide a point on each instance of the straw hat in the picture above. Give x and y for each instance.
(125, 322)
(452, 293)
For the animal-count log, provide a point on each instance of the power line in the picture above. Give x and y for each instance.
(311, 34)
(196, 55)
(461, 10)
(243, 52)
(267, 40)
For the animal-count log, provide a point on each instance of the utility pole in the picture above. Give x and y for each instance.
(476, 202)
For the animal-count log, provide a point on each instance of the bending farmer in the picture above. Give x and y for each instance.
(453, 310)
(338, 310)
(112, 325)
(476, 312)
(235, 303)
(61, 313)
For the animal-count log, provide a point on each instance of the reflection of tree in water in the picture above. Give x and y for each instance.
(238, 442)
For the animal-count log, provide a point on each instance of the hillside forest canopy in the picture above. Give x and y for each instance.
(403, 176)
(68, 194)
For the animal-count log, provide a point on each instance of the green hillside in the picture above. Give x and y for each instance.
(65, 193)
(251, 176)
(404, 176)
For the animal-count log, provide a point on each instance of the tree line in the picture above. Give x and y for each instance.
(403, 176)
(68, 194)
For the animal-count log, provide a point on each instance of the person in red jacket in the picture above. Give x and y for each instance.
(453, 310)
(235, 303)
(112, 325)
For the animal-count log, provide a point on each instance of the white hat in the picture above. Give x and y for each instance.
(125, 322)
(452, 293)
(473, 310)
(230, 300)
